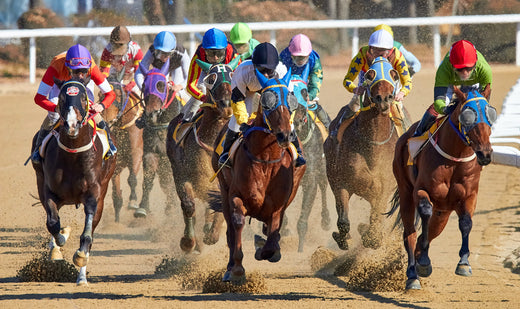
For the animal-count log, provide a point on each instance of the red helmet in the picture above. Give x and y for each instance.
(463, 54)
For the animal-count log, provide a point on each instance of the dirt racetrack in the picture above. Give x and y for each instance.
(125, 255)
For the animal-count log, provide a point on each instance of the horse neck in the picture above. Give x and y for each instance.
(84, 137)
(373, 124)
(259, 142)
(449, 141)
(210, 125)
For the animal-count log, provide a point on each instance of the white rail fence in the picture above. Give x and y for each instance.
(435, 22)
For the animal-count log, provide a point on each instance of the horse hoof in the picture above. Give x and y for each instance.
(80, 259)
(187, 244)
(82, 282)
(424, 270)
(132, 205)
(56, 254)
(259, 242)
(140, 213)
(276, 257)
(238, 280)
(210, 239)
(258, 254)
(227, 276)
(341, 241)
(413, 284)
(463, 270)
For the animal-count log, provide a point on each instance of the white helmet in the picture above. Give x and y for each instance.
(381, 39)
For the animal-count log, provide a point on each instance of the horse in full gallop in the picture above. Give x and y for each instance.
(161, 106)
(358, 161)
(442, 177)
(190, 146)
(312, 139)
(121, 117)
(263, 179)
(73, 171)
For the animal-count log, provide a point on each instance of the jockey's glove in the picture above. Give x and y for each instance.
(140, 122)
(244, 127)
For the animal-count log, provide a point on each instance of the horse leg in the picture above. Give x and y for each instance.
(343, 223)
(117, 195)
(407, 211)
(132, 183)
(325, 215)
(212, 226)
(186, 194)
(81, 256)
(465, 225)
(309, 194)
(238, 273)
(135, 137)
(149, 169)
(167, 183)
(371, 234)
(54, 248)
(425, 209)
(270, 249)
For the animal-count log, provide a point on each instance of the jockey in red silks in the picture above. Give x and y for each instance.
(75, 63)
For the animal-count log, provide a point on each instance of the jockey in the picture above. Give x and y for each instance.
(244, 86)
(463, 65)
(165, 46)
(296, 56)
(242, 38)
(414, 65)
(214, 49)
(380, 44)
(121, 54)
(75, 63)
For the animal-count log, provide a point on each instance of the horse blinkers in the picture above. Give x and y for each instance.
(274, 107)
(219, 90)
(73, 106)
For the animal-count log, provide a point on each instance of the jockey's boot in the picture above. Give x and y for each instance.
(112, 151)
(426, 122)
(35, 157)
(347, 114)
(323, 116)
(300, 160)
(230, 138)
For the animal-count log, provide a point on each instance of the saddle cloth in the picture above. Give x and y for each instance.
(320, 125)
(182, 129)
(416, 144)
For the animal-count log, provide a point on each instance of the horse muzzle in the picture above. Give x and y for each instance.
(283, 139)
(484, 157)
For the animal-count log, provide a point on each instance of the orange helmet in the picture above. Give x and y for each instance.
(463, 54)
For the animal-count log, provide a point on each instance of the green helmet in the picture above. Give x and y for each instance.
(240, 33)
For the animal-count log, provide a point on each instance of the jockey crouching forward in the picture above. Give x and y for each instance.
(244, 85)
(380, 44)
(75, 63)
(463, 65)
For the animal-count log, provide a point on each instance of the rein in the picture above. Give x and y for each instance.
(442, 152)
(252, 156)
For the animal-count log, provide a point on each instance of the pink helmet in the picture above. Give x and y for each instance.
(300, 45)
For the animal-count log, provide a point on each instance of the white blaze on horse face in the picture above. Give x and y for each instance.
(72, 119)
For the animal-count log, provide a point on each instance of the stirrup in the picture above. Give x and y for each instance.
(300, 160)
(223, 158)
(35, 157)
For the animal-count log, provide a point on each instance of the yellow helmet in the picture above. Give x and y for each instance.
(384, 27)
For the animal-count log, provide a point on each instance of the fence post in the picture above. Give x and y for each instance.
(32, 60)
(273, 37)
(436, 46)
(193, 47)
(355, 41)
(518, 44)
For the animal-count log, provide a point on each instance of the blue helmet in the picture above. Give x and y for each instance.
(214, 39)
(78, 57)
(165, 41)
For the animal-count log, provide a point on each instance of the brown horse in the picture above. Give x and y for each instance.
(190, 155)
(359, 164)
(121, 116)
(73, 171)
(444, 177)
(312, 142)
(161, 106)
(263, 179)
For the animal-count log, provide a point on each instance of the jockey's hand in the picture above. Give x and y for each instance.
(244, 127)
(399, 97)
(205, 99)
(140, 122)
(412, 71)
(98, 107)
(174, 87)
(129, 87)
(359, 90)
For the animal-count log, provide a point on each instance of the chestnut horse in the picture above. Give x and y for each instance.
(73, 171)
(263, 179)
(161, 106)
(190, 155)
(360, 163)
(312, 143)
(444, 177)
(121, 117)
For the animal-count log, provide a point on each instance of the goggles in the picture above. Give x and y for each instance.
(162, 54)
(218, 53)
(466, 69)
(300, 59)
(78, 71)
(242, 48)
(266, 71)
(74, 62)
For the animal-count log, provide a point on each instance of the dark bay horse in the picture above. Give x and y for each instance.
(360, 163)
(161, 106)
(312, 143)
(73, 171)
(190, 155)
(444, 177)
(121, 117)
(263, 179)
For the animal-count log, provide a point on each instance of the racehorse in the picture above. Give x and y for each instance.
(443, 177)
(161, 106)
(263, 179)
(73, 171)
(360, 163)
(312, 142)
(190, 155)
(121, 116)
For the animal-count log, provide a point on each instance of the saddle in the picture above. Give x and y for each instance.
(416, 144)
(319, 124)
(182, 129)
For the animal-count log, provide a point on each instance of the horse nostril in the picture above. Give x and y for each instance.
(281, 137)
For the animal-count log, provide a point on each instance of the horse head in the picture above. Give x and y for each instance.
(73, 104)
(276, 105)
(381, 81)
(472, 121)
(298, 86)
(111, 113)
(155, 89)
(218, 84)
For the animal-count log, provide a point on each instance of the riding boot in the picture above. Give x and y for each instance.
(347, 114)
(112, 151)
(230, 138)
(300, 160)
(322, 116)
(45, 129)
(426, 122)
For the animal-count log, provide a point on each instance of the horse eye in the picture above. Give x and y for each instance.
(305, 94)
(268, 100)
(491, 114)
(292, 101)
(468, 117)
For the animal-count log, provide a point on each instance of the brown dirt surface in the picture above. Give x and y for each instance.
(125, 256)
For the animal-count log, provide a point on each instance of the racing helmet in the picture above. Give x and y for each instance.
(300, 45)
(78, 57)
(165, 41)
(463, 54)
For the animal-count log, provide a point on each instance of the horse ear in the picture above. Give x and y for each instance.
(394, 75)
(461, 95)
(261, 78)
(306, 71)
(166, 66)
(143, 68)
(234, 63)
(370, 75)
(486, 93)
(203, 65)
(287, 77)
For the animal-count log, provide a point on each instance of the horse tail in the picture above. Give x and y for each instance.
(395, 205)
(215, 200)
